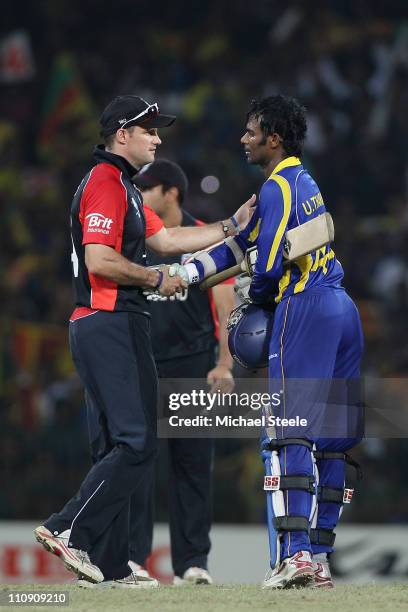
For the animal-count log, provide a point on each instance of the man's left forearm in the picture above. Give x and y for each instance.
(191, 239)
(224, 303)
(178, 240)
(224, 355)
(220, 377)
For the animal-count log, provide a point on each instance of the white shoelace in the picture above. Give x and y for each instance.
(83, 556)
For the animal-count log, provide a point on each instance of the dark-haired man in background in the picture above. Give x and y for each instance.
(186, 331)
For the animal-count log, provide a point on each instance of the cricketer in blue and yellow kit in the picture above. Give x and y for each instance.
(316, 336)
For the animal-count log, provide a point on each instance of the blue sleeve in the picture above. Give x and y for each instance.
(227, 254)
(274, 210)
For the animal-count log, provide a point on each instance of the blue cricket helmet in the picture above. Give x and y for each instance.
(249, 334)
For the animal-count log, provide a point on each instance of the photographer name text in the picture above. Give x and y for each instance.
(237, 421)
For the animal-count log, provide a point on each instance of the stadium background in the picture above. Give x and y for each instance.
(60, 63)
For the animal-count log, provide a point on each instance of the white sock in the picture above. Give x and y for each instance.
(320, 557)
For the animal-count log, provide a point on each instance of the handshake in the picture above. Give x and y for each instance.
(172, 279)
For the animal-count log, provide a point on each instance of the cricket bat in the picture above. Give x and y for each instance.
(298, 241)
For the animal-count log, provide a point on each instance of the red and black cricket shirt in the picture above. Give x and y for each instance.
(108, 209)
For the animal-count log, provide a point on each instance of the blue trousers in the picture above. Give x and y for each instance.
(317, 337)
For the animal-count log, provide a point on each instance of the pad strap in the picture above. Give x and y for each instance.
(305, 483)
(327, 494)
(344, 456)
(288, 483)
(277, 444)
(326, 537)
(329, 455)
(291, 523)
(355, 465)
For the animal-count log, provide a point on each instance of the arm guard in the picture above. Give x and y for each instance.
(226, 255)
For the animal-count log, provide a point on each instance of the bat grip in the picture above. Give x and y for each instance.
(215, 279)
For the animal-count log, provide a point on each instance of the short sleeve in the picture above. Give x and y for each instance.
(153, 222)
(103, 209)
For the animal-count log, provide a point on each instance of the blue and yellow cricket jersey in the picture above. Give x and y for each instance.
(288, 198)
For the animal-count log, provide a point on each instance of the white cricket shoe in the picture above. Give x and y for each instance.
(295, 571)
(322, 574)
(75, 560)
(193, 575)
(143, 575)
(139, 578)
(129, 582)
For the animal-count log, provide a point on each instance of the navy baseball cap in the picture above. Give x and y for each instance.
(162, 172)
(125, 111)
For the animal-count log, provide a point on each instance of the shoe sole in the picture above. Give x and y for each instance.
(110, 584)
(300, 580)
(328, 584)
(148, 584)
(69, 560)
(193, 582)
(85, 584)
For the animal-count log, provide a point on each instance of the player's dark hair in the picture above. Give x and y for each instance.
(166, 187)
(282, 115)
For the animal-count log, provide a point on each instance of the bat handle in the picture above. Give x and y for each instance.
(215, 279)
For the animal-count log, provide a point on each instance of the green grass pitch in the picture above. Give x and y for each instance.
(227, 598)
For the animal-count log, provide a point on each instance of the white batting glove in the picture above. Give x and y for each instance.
(241, 288)
(178, 269)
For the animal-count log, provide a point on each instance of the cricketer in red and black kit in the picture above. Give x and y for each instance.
(111, 348)
(185, 336)
(110, 338)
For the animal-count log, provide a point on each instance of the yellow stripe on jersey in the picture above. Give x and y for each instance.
(283, 284)
(287, 163)
(304, 264)
(255, 232)
(287, 199)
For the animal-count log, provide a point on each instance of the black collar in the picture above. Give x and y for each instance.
(103, 156)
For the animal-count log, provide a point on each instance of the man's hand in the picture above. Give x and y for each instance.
(244, 213)
(178, 269)
(220, 378)
(172, 282)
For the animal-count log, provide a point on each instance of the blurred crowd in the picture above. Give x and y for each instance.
(203, 61)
